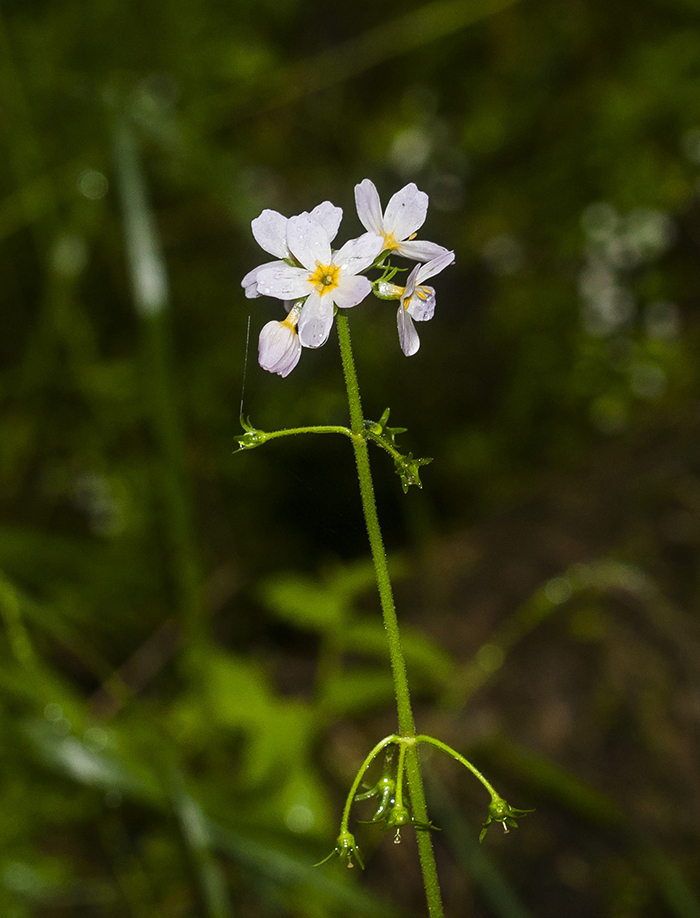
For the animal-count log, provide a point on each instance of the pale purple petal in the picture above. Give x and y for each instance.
(351, 291)
(329, 216)
(411, 282)
(358, 254)
(369, 207)
(250, 281)
(316, 320)
(250, 284)
(421, 305)
(270, 231)
(405, 212)
(283, 282)
(435, 266)
(408, 336)
(420, 250)
(279, 348)
(308, 241)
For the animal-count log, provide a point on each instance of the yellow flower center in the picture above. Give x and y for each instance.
(325, 278)
(293, 318)
(421, 292)
(390, 242)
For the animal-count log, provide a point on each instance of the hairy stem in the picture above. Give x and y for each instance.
(398, 664)
(460, 758)
(358, 777)
(293, 431)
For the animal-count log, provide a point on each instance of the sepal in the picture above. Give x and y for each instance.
(381, 428)
(501, 811)
(407, 470)
(385, 436)
(345, 847)
(385, 790)
(251, 438)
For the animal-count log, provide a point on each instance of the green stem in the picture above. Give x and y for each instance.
(424, 840)
(460, 758)
(399, 776)
(387, 741)
(394, 453)
(369, 506)
(293, 431)
(391, 625)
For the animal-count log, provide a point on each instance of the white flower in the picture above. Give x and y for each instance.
(324, 278)
(270, 232)
(250, 281)
(418, 301)
(279, 347)
(404, 215)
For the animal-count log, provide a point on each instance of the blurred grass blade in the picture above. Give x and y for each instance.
(197, 836)
(17, 634)
(151, 298)
(679, 896)
(69, 756)
(402, 35)
(149, 281)
(599, 578)
(85, 765)
(286, 870)
(549, 778)
(495, 887)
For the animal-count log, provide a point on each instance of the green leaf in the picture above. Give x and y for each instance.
(359, 690)
(238, 692)
(303, 602)
(86, 765)
(283, 869)
(423, 655)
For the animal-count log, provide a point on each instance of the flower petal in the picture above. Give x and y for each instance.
(369, 207)
(270, 231)
(351, 291)
(315, 320)
(329, 216)
(358, 254)
(283, 282)
(279, 348)
(250, 284)
(435, 266)
(408, 336)
(421, 305)
(250, 281)
(420, 250)
(411, 282)
(308, 241)
(405, 212)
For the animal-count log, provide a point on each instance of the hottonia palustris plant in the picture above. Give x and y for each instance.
(317, 284)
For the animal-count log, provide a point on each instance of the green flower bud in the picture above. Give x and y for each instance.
(501, 811)
(345, 846)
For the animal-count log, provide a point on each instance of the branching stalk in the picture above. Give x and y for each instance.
(398, 664)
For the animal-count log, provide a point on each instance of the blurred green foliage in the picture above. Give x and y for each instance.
(191, 661)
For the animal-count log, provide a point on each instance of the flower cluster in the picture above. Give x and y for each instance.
(312, 279)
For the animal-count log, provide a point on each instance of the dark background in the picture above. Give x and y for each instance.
(191, 661)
